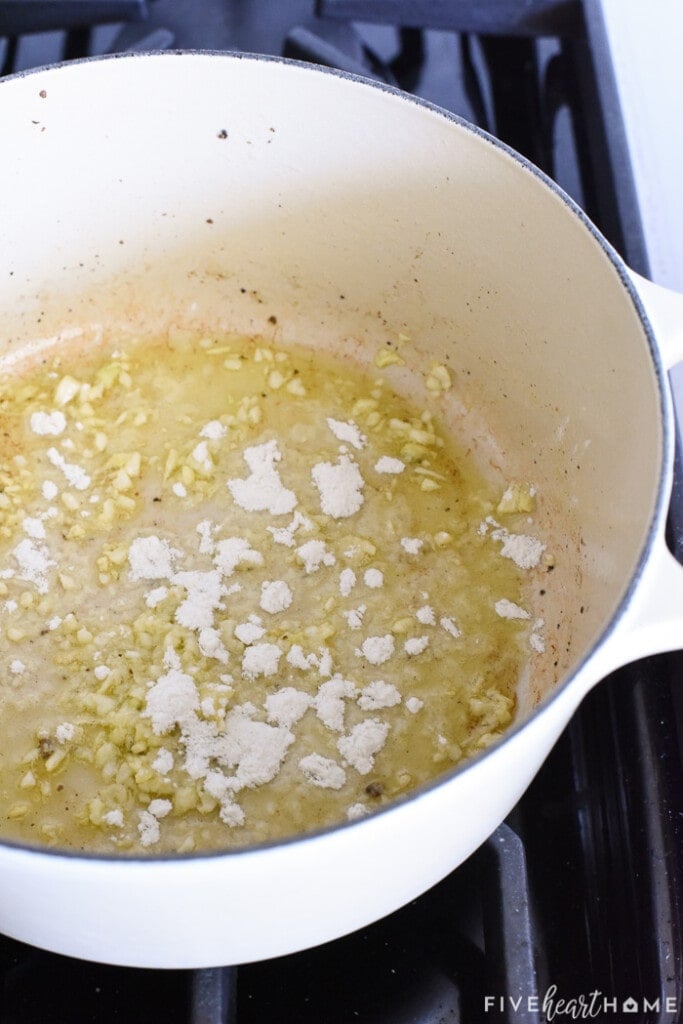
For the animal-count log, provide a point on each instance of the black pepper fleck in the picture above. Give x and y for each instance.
(45, 747)
(374, 789)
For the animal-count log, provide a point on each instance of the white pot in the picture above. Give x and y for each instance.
(191, 191)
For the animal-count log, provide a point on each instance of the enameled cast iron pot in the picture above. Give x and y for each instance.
(206, 191)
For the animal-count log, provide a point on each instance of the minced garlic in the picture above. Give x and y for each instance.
(242, 597)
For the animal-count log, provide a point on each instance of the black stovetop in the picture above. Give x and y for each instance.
(580, 891)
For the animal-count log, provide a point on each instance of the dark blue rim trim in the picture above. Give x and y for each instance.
(656, 522)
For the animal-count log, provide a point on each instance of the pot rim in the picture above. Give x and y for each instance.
(660, 507)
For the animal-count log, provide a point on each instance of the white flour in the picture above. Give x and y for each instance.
(214, 430)
(378, 695)
(373, 578)
(323, 771)
(201, 456)
(151, 558)
(276, 596)
(285, 534)
(340, 486)
(426, 616)
(211, 645)
(347, 581)
(377, 649)
(34, 561)
(156, 596)
(33, 528)
(235, 551)
(362, 744)
(204, 592)
(347, 431)
(249, 632)
(386, 464)
(508, 610)
(287, 706)
(416, 645)
(75, 475)
(329, 702)
(263, 490)
(313, 554)
(48, 423)
(354, 617)
(261, 660)
(448, 624)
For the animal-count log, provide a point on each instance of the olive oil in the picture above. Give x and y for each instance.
(190, 661)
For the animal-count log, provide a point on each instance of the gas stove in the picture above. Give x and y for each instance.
(577, 896)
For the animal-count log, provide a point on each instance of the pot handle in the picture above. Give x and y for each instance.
(664, 308)
(653, 622)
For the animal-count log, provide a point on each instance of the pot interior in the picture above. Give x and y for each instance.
(193, 193)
